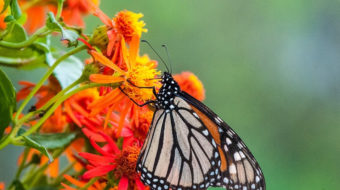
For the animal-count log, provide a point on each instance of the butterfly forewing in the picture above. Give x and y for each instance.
(179, 152)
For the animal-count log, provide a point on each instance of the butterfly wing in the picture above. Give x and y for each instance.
(179, 152)
(239, 169)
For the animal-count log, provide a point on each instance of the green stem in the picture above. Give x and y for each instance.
(38, 34)
(34, 177)
(45, 77)
(48, 104)
(6, 140)
(55, 105)
(22, 164)
(60, 94)
(88, 184)
(60, 177)
(60, 8)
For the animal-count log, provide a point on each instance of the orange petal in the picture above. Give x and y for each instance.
(105, 79)
(69, 111)
(105, 61)
(122, 117)
(105, 100)
(125, 53)
(53, 168)
(103, 17)
(134, 46)
(74, 181)
(108, 116)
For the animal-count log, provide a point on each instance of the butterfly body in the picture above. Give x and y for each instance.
(189, 147)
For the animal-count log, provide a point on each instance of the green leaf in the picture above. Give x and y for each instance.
(7, 101)
(15, 9)
(55, 140)
(9, 18)
(18, 185)
(66, 34)
(33, 144)
(33, 56)
(44, 188)
(15, 33)
(68, 71)
(71, 36)
(27, 58)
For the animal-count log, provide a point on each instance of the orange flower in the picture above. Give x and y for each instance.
(2, 17)
(98, 185)
(138, 126)
(57, 121)
(75, 10)
(191, 84)
(36, 15)
(139, 72)
(127, 23)
(2, 186)
(76, 106)
(44, 94)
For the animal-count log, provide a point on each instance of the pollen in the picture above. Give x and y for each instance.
(142, 74)
(126, 162)
(128, 24)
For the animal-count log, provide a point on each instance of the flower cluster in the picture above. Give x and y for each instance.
(101, 111)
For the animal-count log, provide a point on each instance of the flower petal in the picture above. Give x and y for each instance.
(103, 17)
(95, 159)
(134, 46)
(98, 171)
(74, 181)
(105, 79)
(123, 183)
(105, 61)
(139, 184)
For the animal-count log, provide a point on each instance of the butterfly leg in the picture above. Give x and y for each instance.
(140, 105)
(148, 87)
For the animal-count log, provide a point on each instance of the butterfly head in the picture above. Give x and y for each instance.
(167, 93)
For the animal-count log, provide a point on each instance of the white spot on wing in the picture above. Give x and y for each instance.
(232, 169)
(228, 141)
(237, 156)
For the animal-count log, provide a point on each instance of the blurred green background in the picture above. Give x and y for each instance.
(271, 69)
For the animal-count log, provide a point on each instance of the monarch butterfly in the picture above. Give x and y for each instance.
(189, 147)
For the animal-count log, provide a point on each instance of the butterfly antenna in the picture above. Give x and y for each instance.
(156, 54)
(167, 54)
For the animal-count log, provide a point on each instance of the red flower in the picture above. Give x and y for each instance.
(121, 162)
